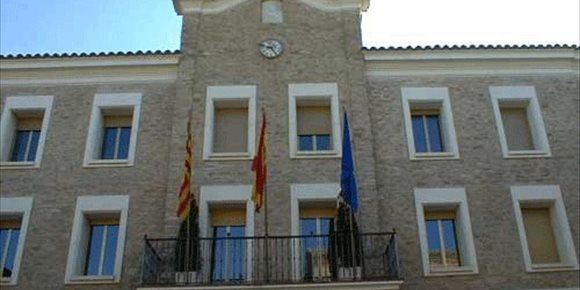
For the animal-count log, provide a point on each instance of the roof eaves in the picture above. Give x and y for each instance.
(90, 54)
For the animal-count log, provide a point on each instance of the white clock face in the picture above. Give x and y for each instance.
(271, 48)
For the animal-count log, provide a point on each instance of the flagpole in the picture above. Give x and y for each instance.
(266, 230)
(188, 238)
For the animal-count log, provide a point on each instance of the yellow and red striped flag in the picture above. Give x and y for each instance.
(185, 196)
(260, 168)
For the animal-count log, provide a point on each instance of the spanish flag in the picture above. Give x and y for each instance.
(185, 197)
(260, 168)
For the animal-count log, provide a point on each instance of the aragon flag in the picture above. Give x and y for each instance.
(260, 168)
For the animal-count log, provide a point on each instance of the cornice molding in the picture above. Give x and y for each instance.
(93, 70)
(392, 64)
(217, 6)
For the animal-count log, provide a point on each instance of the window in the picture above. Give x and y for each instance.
(14, 218)
(445, 235)
(97, 240)
(543, 227)
(113, 128)
(23, 130)
(226, 213)
(102, 247)
(229, 247)
(315, 227)
(442, 240)
(230, 123)
(314, 120)
(312, 208)
(272, 11)
(519, 122)
(429, 123)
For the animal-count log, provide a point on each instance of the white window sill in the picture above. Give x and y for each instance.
(92, 279)
(228, 156)
(6, 281)
(19, 165)
(451, 271)
(316, 154)
(434, 156)
(527, 154)
(109, 163)
(552, 267)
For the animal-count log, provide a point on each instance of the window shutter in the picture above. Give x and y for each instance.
(29, 123)
(314, 120)
(540, 235)
(118, 121)
(317, 212)
(228, 217)
(230, 130)
(517, 129)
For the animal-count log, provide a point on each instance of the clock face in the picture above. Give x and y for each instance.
(271, 48)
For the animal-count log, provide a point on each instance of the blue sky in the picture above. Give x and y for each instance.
(57, 26)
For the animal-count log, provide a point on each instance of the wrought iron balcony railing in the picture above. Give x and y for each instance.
(271, 260)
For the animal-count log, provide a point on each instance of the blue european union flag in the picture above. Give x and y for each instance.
(348, 185)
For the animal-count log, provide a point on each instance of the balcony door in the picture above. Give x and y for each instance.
(315, 227)
(228, 260)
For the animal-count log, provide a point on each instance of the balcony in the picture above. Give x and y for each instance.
(305, 262)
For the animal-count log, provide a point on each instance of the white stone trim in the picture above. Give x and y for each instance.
(8, 123)
(95, 130)
(217, 93)
(272, 11)
(228, 194)
(307, 91)
(307, 193)
(546, 195)
(455, 197)
(19, 206)
(217, 6)
(525, 95)
(437, 97)
(95, 205)
(384, 65)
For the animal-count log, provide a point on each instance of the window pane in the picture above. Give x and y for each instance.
(109, 140)
(110, 250)
(434, 243)
(323, 142)
(20, 143)
(124, 140)
(11, 255)
(450, 238)
(33, 145)
(434, 129)
(419, 134)
(94, 254)
(305, 143)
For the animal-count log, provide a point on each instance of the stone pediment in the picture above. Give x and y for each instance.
(217, 6)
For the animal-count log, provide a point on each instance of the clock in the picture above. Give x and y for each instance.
(271, 48)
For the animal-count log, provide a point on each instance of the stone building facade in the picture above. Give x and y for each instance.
(493, 193)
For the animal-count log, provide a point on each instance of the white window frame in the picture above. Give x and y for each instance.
(545, 195)
(220, 93)
(8, 128)
(314, 91)
(426, 198)
(438, 97)
(95, 206)
(224, 195)
(300, 193)
(95, 132)
(521, 94)
(21, 207)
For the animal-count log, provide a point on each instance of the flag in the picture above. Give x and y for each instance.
(184, 203)
(348, 186)
(260, 168)
(187, 245)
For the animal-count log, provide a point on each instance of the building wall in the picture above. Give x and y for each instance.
(482, 170)
(222, 49)
(61, 178)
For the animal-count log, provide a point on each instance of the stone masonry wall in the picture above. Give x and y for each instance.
(62, 178)
(482, 170)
